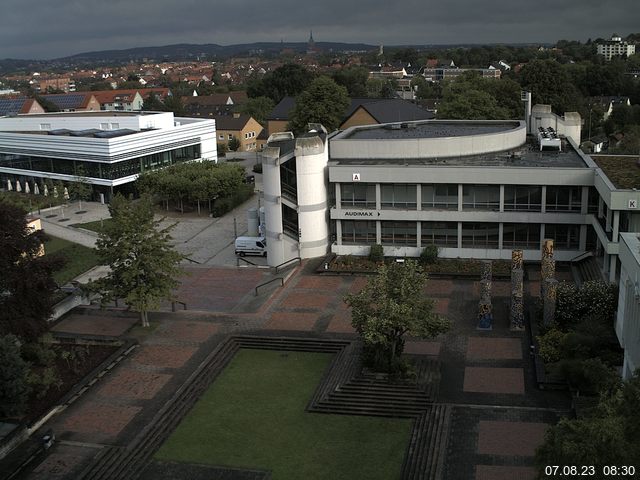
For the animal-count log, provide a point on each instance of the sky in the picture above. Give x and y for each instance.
(51, 29)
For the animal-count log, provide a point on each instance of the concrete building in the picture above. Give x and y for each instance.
(110, 149)
(615, 47)
(628, 318)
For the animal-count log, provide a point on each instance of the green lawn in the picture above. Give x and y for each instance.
(79, 258)
(253, 417)
(93, 226)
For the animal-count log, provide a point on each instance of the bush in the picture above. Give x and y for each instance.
(592, 298)
(550, 345)
(591, 376)
(38, 353)
(429, 254)
(226, 204)
(376, 253)
(43, 381)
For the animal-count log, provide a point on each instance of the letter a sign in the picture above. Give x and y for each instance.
(355, 177)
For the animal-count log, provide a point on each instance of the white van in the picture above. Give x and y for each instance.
(251, 246)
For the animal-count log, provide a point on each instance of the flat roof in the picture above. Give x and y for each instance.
(527, 155)
(101, 113)
(429, 129)
(622, 170)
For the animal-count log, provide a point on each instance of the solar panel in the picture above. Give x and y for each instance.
(68, 101)
(11, 105)
(114, 133)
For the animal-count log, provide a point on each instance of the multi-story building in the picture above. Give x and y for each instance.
(109, 149)
(242, 127)
(73, 102)
(615, 47)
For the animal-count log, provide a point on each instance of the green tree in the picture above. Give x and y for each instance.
(323, 102)
(607, 436)
(153, 104)
(26, 280)
(390, 306)
(174, 104)
(354, 79)
(288, 80)
(550, 83)
(234, 144)
(14, 389)
(259, 108)
(81, 188)
(471, 105)
(144, 267)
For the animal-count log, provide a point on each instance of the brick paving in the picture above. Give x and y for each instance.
(62, 462)
(107, 325)
(100, 419)
(134, 384)
(197, 332)
(164, 356)
(480, 369)
(510, 438)
(292, 321)
(487, 348)
(494, 380)
(501, 472)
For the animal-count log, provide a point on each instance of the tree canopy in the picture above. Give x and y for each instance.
(549, 83)
(354, 79)
(26, 281)
(288, 80)
(324, 101)
(390, 306)
(259, 108)
(144, 267)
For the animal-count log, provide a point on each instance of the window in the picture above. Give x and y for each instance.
(565, 237)
(440, 197)
(399, 233)
(564, 199)
(442, 234)
(115, 126)
(400, 195)
(358, 232)
(104, 126)
(220, 137)
(481, 197)
(521, 235)
(290, 222)
(230, 136)
(358, 195)
(289, 180)
(594, 197)
(522, 198)
(480, 235)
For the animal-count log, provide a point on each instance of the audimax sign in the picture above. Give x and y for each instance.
(360, 213)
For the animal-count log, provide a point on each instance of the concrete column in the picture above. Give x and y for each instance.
(500, 234)
(583, 238)
(600, 207)
(608, 222)
(543, 200)
(502, 198)
(378, 232)
(419, 199)
(584, 205)
(542, 234)
(419, 234)
(378, 197)
(339, 232)
(338, 196)
(616, 226)
(459, 234)
(612, 268)
(460, 195)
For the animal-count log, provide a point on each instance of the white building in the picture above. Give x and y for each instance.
(110, 148)
(628, 318)
(615, 47)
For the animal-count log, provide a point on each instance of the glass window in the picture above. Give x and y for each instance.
(399, 233)
(401, 196)
(357, 232)
(358, 195)
(440, 197)
(594, 197)
(522, 198)
(480, 235)
(521, 235)
(565, 237)
(289, 180)
(481, 197)
(564, 199)
(442, 234)
(290, 221)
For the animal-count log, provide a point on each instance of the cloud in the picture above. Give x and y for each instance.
(65, 27)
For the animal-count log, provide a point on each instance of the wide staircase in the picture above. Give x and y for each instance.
(586, 269)
(344, 389)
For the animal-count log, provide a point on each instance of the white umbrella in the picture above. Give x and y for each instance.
(27, 188)
(36, 189)
(18, 186)
(65, 194)
(9, 186)
(46, 190)
(55, 192)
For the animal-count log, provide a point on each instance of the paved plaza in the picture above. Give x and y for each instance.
(498, 415)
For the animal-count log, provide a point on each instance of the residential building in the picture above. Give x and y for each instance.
(74, 102)
(438, 74)
(212, 105)
(20, 105)
(65, 84)
(109, 149)
(119, 100)
(615, 47)
(243, 127)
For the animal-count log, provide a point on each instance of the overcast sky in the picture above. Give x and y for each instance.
(51, 29)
